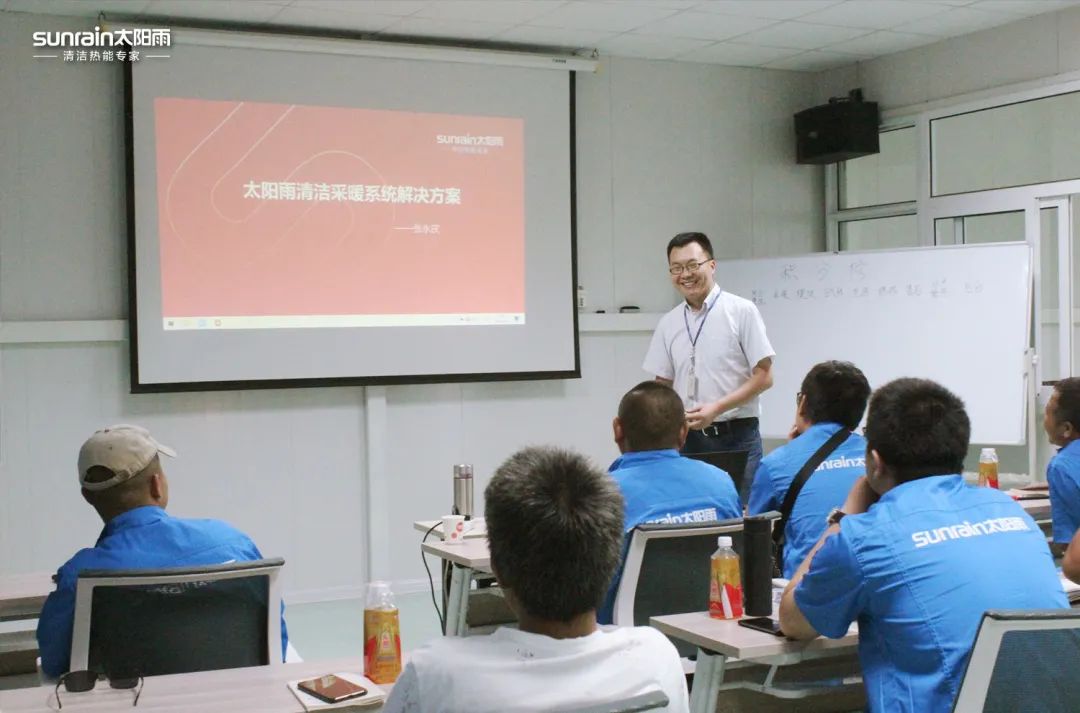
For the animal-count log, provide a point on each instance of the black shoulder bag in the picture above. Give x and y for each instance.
(793, 493)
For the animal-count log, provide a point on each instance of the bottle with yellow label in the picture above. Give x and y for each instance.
(988, 468)
(725, 582)
(382, 634)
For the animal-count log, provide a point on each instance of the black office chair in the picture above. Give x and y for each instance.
(1023, 661)
(667, 572)
(178, 620)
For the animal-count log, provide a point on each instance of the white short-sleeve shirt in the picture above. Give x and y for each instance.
(731, 343)
(513, 671)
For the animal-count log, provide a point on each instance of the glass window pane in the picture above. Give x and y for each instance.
(986, 228)
(994, 227)
(948, 231)
(886, 177)
(1015, 145)
(901, 231)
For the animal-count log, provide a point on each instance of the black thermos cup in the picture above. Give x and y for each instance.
(757, 566)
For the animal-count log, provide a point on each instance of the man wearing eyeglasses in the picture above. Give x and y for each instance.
(713, 350)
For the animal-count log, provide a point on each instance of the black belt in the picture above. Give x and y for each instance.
(723, 428)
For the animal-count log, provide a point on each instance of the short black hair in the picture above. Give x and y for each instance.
(652, 416)
(835, 392)
(919, 428)
(684, 239)
(1068, 401)
(555, 530)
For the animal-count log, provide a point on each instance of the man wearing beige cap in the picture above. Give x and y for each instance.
(121, 477)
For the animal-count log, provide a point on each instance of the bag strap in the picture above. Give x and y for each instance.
(797, 485)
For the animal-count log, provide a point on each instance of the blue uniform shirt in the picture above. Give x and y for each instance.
(143, 538)
(917, 571)
(826, 489)
(1063, 477)
(663, 486)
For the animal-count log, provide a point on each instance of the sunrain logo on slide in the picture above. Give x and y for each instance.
(967, 529)
(469, 143)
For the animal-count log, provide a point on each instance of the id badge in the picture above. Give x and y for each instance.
(691, 387)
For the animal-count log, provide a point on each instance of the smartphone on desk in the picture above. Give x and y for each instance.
(762, 623)
(331, 688)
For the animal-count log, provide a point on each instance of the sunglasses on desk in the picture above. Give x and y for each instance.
(82, 681)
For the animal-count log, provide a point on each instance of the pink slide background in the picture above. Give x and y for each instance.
(226, 255)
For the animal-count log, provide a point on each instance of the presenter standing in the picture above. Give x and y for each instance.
(712, 349)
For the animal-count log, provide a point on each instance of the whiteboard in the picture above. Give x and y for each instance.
(958, 315)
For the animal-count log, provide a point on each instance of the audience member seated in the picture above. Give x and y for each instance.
(1062, 424)
(916, 555)
(122, 478)
(554, 527)
(833, 397)
(658, 484)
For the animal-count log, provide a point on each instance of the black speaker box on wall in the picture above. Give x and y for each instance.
(840, 130)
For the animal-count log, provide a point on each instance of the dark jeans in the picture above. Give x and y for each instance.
(742, 435)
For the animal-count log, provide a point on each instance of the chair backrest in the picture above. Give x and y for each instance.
(731, 462)
(667, 571)
(1024, 660)
(177, 620)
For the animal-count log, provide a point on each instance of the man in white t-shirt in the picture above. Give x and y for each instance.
(554, 527)
(712, 349)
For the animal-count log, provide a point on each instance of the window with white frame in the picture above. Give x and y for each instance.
(1017, 144)
(872, 200)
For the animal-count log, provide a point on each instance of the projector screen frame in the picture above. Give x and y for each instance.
(141, 387)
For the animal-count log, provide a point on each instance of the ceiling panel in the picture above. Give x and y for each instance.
(956, 21)
(703, 25)
(801, 35)
(768, 9)
(615, 17)
(630, 45)
(510, 11)
(428, 27)
(371, 7)
(874, 14)
(813, 61)
(731, 53)
(882, 42)
(333, 19)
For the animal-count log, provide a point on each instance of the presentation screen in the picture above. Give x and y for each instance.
(311, 218)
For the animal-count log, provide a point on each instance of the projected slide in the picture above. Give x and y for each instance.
(290, 216)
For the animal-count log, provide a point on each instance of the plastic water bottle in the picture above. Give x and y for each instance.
(988, 468)
(382, 634)
(725, 582)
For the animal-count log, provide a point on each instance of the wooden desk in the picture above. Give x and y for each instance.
(1039, 509)
(466, 559)
(259, 689)
(436, 527)
(23, 595)
(719, 640)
